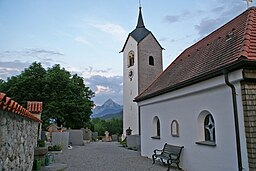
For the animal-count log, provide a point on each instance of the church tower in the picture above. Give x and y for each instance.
(142, 63)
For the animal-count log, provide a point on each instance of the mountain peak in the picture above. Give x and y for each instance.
(110, 103)
(109, 107)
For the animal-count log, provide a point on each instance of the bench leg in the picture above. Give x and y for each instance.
(153, 157)
(168, 163)
(178, 166)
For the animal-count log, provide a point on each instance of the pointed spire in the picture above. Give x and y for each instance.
(140, 20)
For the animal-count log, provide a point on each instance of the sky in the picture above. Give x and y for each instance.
(85, 36)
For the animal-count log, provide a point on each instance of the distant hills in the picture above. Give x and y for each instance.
(108, 110)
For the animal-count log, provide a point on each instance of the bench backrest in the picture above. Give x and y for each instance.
(172, 149)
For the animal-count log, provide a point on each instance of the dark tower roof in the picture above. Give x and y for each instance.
(140, 20)
(140, 32)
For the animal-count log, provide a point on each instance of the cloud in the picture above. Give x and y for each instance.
(207, 25)
(172, 18)
(8, 69)
(13, 62)
(105, 88)
(103, 82)
(101, 89)
(113, 29)
(218, 9)
(91, 71)
(81, 39)
(177, 18)
(35, 53)
(43, 52)
(172, 40)
(226, 11)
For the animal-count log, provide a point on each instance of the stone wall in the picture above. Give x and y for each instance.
(18, 136)
(249, 107)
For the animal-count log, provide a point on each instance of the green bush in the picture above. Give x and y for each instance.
(55, 148)
(41, 143)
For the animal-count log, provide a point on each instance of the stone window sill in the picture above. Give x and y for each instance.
(175, 135)
(207, 143)
(156, 137)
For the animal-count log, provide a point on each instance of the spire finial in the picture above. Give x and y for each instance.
(139, 4)
(140, 19)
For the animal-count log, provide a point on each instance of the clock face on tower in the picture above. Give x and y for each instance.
(130, 74)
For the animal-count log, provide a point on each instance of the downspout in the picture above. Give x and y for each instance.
(139, 121)
(238, 145)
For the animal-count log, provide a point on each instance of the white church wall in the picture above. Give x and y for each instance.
(185, 106)
(130, 89)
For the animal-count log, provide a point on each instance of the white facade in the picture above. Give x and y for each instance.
(140, 72)
(188, 106)
(130, 88)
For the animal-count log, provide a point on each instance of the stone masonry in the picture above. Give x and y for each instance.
(249, 107)
(18, 137)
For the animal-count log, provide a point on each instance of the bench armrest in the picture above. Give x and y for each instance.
(158, 151)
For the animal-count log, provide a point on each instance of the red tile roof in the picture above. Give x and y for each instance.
(7, 104)
(230, 46)
(35, 107)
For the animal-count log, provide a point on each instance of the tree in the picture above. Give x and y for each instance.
(113, 126)
(66, 99)
(26, 86)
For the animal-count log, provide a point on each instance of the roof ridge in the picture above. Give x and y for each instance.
(247, 34)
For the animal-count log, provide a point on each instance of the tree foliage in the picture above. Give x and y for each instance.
(66, 99)
(113, 126)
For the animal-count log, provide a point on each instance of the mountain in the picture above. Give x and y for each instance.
(109, 107)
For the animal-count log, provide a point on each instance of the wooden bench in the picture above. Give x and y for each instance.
(170, 153)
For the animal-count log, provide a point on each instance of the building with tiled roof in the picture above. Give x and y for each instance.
(205, 100)
(229, 47)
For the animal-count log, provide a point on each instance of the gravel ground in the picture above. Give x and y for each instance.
(106, 156)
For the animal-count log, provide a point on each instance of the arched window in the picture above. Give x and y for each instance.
(151, 60)
(156, 128)
(175, 128)
(130, 58)
(206, 129)
(209, 128)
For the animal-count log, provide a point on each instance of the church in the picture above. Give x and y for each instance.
(205, 100)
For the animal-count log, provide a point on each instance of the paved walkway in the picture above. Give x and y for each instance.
(106, 156)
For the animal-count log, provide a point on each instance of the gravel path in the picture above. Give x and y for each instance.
(106, 156)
